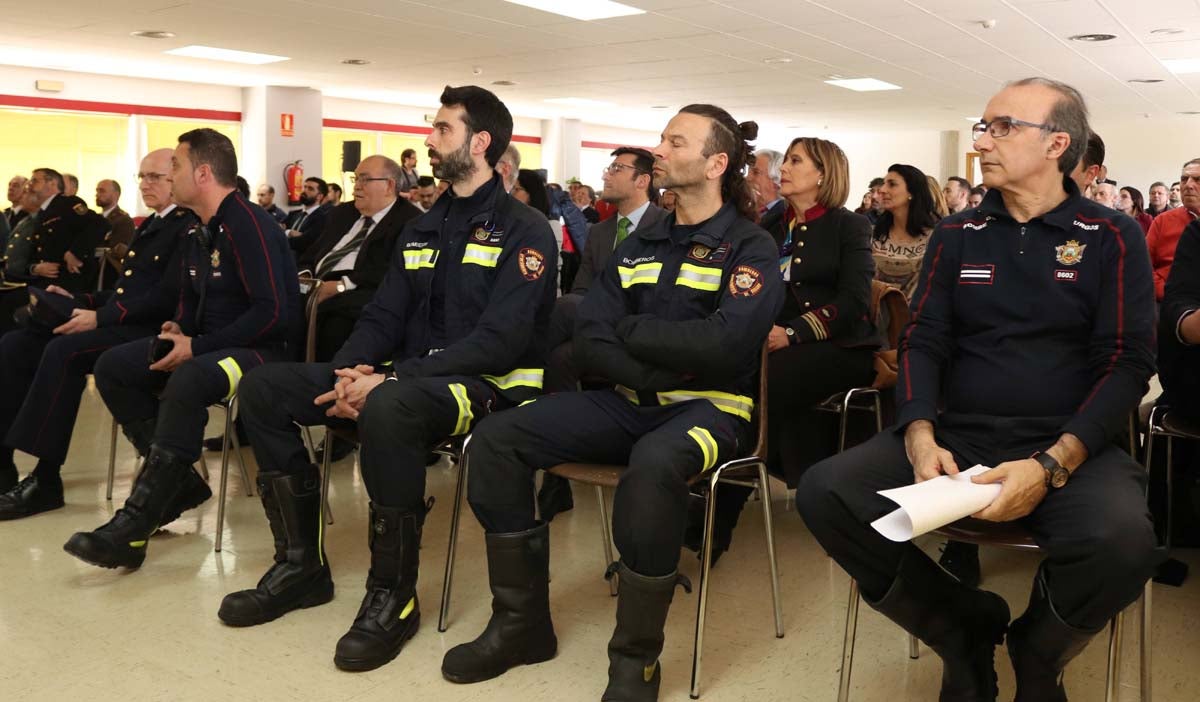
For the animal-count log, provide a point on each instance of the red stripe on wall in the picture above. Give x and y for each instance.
(403, 129)
(607, 146)
(117, 108)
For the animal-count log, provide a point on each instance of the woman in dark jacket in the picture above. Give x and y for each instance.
(824, 339)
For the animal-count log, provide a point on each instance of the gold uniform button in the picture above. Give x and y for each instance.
(131, 253)
(121, 291)
(156, 258)
(128, 273)
(807, 305)
(803, 227)
(801, 244)
(799, 260)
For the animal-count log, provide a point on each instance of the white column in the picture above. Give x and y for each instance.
(561, 139)
(952, 159)
(265, 150)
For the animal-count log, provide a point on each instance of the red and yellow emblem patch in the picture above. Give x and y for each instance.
(532, 263)
(745, 282)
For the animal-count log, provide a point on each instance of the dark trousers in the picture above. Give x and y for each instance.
(664, 447)
(401, 421)
(179, 399)
(562, 375)
(570, 266)
(43, 377)
(1096, 534)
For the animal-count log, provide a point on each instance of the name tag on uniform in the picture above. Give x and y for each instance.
(977, 274)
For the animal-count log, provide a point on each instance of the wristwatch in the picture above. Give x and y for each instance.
(341, 287)
(1056, 475)
(791, 334)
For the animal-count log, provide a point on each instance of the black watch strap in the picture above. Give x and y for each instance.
(1056, 475)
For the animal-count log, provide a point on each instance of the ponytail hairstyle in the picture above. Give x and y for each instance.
(732, 139)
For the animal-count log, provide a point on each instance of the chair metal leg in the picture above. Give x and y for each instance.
(848, 643)
(843, 419)
(606, 534)
(1113, 685)
(764, 489)
(309, 445)
(112, 460)
(452, 546)
(237, 447)
(914, 647)
(326, 471)
(878, 414)
(1170, 487)
(710, 513)
(224, 479)
(1147, 669)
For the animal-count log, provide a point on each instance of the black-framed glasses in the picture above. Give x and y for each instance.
(615, 168)
(151, 178)
(1001, 126)
(365, 179)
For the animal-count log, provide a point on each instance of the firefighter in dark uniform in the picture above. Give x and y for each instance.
(1033, 332)
(677, 320)
(454, 333)
(237, 307)
(62, 245)
(44, 371)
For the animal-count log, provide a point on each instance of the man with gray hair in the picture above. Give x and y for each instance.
(763, 177)
(508, 165)
(16, 192)
(1032, 339)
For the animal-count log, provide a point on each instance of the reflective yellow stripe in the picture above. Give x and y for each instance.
(485, 256)
(137, 544)
(419, 258)
(525, 377)
(459, 391)
(708, 446)
(233, 371)
(699, 277)
(643, 273)
(737, 405)
(627, 393)
(408, 608)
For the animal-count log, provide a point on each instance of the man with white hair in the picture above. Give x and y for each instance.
(763, 177)
(508, 165)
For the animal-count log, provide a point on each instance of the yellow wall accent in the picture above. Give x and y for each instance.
(164, 133)
(90, 146)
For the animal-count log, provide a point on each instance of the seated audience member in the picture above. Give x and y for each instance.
(902, 231)
(408, 173)
(352, 255)
(266, 200)
(15, 212)
(461, 329)
(426, 193)
(975, 198)
(1105, 193)
(70, 185)
(1129, 201)
(508, 166)
(1175, 199)
(940, 208)
(823, 340)
(627, 187)
(865, 206)
(574, 238)
(1158, 199)
(679, 314)
(531, 190)
(120, 234)
(304, 225)
(956, 193)
(43, 370)
(763, 177)
(1167, 227)
(239, 310)
(334, 197)
(243, 187)
(1036, 374)
(1091, 169)
(876, 187)
(1179, 328)
(18, 253)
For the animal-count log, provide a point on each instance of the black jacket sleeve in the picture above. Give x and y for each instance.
(927, 343)
(379, 329)
(1121, 352)
(155, 304)
(856, 270)
(699, 347)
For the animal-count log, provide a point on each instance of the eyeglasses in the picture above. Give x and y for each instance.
(151, 178)
(615, 168)
(1001, 126)
(365, 179)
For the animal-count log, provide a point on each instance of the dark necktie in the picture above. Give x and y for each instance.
(333, 258)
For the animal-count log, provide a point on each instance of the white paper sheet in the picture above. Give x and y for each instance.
(934, 503)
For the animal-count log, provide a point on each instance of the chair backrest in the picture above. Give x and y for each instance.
(760, 406)
(310, 339)
(889, 300)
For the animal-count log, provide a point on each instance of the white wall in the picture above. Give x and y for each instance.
(411, 115)
(136, 91)
(1139, 153)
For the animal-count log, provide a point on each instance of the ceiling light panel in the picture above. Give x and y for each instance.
(863, 85)
(585, 10)
(213, 53)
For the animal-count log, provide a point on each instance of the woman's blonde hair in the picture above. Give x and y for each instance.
(939, 198)
(831, 161)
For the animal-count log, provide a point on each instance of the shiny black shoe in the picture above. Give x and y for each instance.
(29, 497)
(8, 478)
(962, 561)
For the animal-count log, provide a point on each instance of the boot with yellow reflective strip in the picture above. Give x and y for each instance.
(634, 673)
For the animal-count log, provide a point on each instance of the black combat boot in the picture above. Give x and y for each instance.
(194, 490)
(1041, 644)
(122, 541)
(300, 576)
(633, 670)
(140, 434)
(389, 614)
(520, 631)
(961, 624)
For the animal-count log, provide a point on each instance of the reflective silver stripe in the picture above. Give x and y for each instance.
(419, 258)
(486, 256)
(459, 392)
(699, 277)
(737, 405)
(643, 273)
(627, 393)
(233, 371)
(526, 377)
(708, 446)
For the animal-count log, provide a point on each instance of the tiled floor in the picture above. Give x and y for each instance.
(69, 631)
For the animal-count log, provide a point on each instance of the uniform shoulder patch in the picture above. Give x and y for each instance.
(80, 208)
(746, 281)
(532, 263)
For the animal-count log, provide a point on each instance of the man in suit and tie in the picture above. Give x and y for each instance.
(352, 255)
(118, 239)
(16, 192)
(626, 187)
(305, 224)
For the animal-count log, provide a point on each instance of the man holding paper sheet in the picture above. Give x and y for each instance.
(1032, 331)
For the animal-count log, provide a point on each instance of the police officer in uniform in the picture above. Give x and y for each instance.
(44, 373)
(238, 303)
(677, 320)
(1033, 330)
(460, 318)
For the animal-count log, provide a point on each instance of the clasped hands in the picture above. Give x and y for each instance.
(350, 391)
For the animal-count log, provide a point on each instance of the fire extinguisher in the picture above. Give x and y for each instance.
(293, 178)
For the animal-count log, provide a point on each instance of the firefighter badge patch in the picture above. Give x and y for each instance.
(745, 282)
(1069, 253)
(532, 263)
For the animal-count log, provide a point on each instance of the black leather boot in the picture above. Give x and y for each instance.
(1041, 644)
(300, 576)
(520, 631)
(140, 434)
(122, 541)
(633, 670)
(389, 614)
(962, 625)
